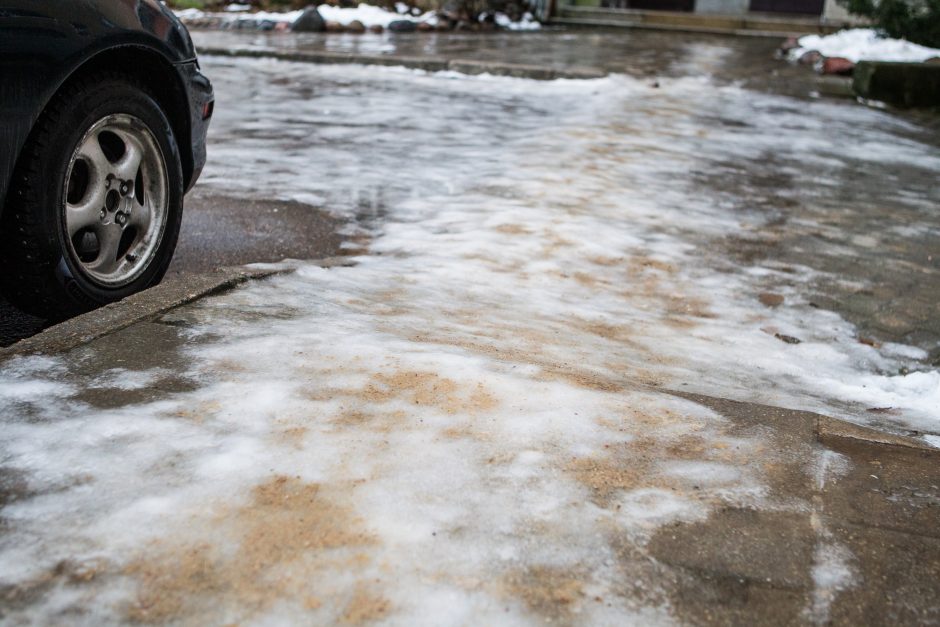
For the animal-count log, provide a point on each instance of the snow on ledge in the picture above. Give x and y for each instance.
(368, 14)
(863, 44)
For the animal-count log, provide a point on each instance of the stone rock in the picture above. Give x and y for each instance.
(810, 58)
(838, 66)
(402, 26)
(789, 44)
(789, 339)
(424, 27)
(444, 24)
(770, 299)
(334, 27)
(356, 27)
(452, 10)
(309, 21)
(376, 28)
(933, 61)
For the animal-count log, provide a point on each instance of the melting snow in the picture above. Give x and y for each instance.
(466, 425)
(863, 44)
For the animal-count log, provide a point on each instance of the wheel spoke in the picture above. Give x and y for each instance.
(127, 166)
(109, 238)
(140, 216)
(84, 213)
(98, 163)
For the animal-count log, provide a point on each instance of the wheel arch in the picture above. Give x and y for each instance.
(163, 82)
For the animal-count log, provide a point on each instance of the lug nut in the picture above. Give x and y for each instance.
(120, 218)
(102, 214)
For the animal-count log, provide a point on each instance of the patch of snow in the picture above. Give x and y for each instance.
(863, 44)
(369, 15)
(832, 574)
(235, 7)
(932, 440)
(528, 22)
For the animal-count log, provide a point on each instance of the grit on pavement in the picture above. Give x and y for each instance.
(581, 372)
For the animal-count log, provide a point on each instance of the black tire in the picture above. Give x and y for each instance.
(41, 273)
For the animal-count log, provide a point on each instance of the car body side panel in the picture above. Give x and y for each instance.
(43, 43)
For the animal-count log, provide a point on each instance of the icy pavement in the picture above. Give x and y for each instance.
(469, 425)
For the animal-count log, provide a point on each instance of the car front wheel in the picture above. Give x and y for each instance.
(94, 209)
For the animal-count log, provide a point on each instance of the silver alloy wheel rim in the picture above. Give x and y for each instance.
(116, 200)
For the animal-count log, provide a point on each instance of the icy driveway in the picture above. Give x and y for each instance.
(465, 427)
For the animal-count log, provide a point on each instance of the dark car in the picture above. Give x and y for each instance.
(103, 120)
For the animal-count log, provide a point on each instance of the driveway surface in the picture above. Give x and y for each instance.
(223, 230)
(581, 372)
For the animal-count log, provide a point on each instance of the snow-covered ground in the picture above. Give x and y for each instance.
(863, 44)
(466, 426)
(369, 15)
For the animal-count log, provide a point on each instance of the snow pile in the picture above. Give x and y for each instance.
(528, 22)
(240, 16)
(863, 44)
(370, 15)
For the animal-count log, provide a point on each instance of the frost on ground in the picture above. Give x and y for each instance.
(467, 426)
(863, 44)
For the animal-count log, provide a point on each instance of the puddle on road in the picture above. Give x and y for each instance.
(465, 426)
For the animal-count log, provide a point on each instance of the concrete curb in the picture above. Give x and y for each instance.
(145, 306)
(428, 64)
(825, 429)
(898, 84)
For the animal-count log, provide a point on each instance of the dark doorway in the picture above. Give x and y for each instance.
(651, 5)
(801, 7)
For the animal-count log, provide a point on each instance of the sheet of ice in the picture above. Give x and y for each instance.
(863, 44)
(466, 425)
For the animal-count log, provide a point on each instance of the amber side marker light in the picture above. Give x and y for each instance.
(207, 109)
